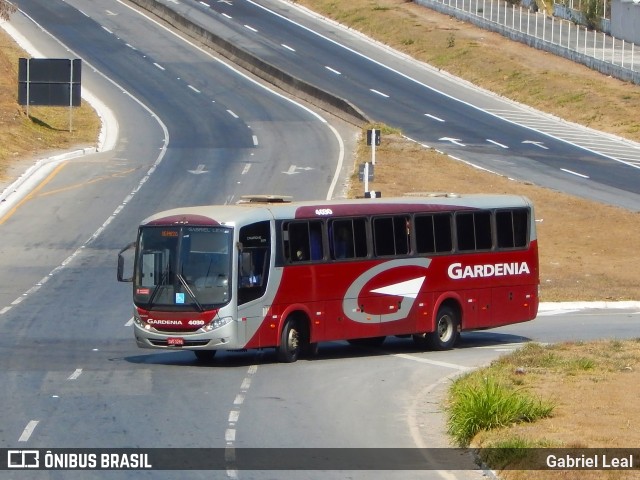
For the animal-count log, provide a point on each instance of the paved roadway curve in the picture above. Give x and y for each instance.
(192, 131)
(430, 107)
(72, 374)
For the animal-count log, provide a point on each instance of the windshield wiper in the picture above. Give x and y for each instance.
(189, 291)
(156, 289)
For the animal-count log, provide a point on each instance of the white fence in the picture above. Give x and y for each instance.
(597, 50)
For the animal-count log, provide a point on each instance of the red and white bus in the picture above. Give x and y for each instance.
(268, 272)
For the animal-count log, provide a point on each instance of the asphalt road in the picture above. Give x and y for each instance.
(71, 372)
(429, 106)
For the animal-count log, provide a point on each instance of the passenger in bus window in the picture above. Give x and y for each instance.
(343, 243)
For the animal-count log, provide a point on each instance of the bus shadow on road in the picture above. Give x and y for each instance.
(327, 351)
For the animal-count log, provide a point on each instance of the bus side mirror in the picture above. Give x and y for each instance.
(121, 264)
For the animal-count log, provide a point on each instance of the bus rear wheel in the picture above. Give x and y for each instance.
(445, 334)
(291, 340)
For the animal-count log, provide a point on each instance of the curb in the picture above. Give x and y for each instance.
(25, 183)
(595, 305)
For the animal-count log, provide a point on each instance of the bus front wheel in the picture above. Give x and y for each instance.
(445, 334)
(290, 342)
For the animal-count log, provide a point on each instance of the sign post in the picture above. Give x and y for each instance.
(373, 139)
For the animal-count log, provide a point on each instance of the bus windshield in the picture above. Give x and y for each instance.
(183, 267)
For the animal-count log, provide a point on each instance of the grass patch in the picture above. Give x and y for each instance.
(566, 395)
(488, 404)
(510, 451)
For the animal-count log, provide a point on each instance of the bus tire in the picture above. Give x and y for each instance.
(204, 356)
(446, 332)
(290, 342)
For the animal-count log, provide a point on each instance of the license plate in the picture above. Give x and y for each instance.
(175, 341)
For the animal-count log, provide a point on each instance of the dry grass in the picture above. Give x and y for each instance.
(46, 128)
(576, 377)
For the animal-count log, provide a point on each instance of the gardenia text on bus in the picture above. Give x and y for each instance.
(458, 271)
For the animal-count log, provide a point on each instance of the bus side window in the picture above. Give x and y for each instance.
(391, 235)
(433, 233)
(342, 239)
(348, 238)
(474, 231)
(512, 228)
(304, 241)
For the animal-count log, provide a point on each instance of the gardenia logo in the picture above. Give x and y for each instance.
(152, 321)
(457, 271)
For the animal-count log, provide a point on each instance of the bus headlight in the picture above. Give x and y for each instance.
(136, 318)
(217, 323)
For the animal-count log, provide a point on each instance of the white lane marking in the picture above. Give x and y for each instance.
(496, 143)
(129, 322)
(28, 430)
(438, 119)
(227, 15)
(239, 400)
(455, 141)
(251, 28)
(5, 310)
(75, 375)
(109, 31)
(255, 140)
(193, 88)
(432, 362)
(416, 412)
(252, 369)
(333, 70)
(234, 415)
(537, 144)
(205, 4)
(246, 168)
(159, 66)
(246, 383)
(33, 289)
(574, 173)
(291, 49)
(377, 92)
(232, 113)
(230, 435)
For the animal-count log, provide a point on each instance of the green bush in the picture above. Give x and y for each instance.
(488, 404)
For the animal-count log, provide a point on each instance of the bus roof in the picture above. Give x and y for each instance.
(249, 212)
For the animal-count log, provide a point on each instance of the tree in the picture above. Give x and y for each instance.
(6, 9)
